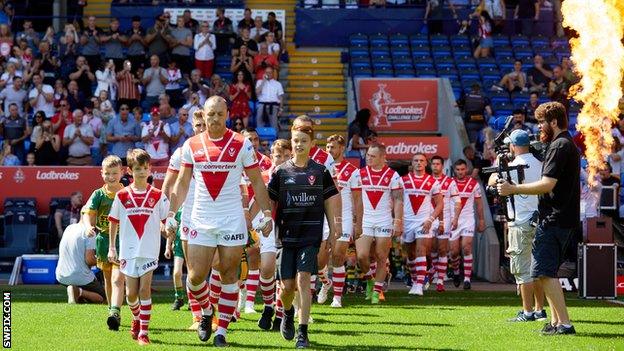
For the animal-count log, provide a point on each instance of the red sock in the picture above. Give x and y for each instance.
(193, 304)
(201, 294)
(252, 285)
(215, 287)
(434, 263)
(467, 267)
(412, 270)
(279, 308)
(313, 284)
(378, 287)
(144, 316)
(227, 306)
(421, 269)
(373, 269)
(135, 308)
(442, 265)
(338, 277)
(455, 265)
(267, 287)
(322, 274)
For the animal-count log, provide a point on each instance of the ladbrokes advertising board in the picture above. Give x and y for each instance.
(400, 105)
(44, 183)
(404, 147)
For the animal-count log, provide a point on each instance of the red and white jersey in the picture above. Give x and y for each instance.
(266, 168)
(175, 162)
(218, 167)
(347, 178)
(448, 188)
(139, 215)
(376, 194)
(468, 190)
(418, 200)
(321, 156)
(156, 147)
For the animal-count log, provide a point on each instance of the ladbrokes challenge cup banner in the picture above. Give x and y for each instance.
(400, 105)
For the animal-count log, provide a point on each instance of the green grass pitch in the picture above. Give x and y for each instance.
(455, 320)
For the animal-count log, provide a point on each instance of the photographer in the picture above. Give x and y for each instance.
(521, 231)
(559, 209)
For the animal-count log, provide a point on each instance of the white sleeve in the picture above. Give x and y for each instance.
(168, 130)
(163, 208)
(32, 94)
(66, 132)
(355, 181)
(115, 212)
(477, 191)
(175, 160)
(144, 131)
(280, 90)
(186, 157)
(435, 190)
(196, 42)
(396, 182)
(329, 164)
(213, 42)
(248, 155)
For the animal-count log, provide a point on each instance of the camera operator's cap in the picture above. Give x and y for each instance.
(155, 110)
(518, 137)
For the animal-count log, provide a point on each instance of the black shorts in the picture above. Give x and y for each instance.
(94, 286)
(298, 259)
(549, 246)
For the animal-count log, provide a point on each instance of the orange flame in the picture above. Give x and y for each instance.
(598, 56)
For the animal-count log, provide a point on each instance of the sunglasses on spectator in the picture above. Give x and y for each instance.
(124, 108)
(183, 114)
(63, 105)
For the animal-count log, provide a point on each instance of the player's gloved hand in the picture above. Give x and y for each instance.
(266, 224)
(171, 225)
(112, 255)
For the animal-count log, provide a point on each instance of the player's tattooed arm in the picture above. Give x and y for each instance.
(397, 201)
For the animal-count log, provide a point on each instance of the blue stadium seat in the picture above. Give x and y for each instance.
(362, 72)
(383, 73)
(497, 96)
(502, 109)
(500, 40)
(358, 39)
(360, 63)
(519, 40)
(520, 98)
(399, 39)
(380, 58)
(505, 52)
(448, 72)
(20, 227)
(378, 39)
(439, 39)
(540, 40)
(405, 73)
(420, 49)
(382, 65)
(419, 39)
(441, 50)
(402, 49)
(488, 82)
(425, 72)
(267, 133)
(423, 61)
(490, 73)
(465, 62)
(487, 62)
(380, 50)
(469, 73)
(459, 39)
(462, 50)
(444, 62)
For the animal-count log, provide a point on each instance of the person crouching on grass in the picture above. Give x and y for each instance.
(138, 211)
(302, 191)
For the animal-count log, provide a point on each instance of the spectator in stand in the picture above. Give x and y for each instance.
(183, 42)
(181, 130)
(223, 30)
(122, 132)
(105, 107)
(47, 63)
(243, 62)
(475, 164)
(519, 121)
(50, 37)
(193, 104)
(68, 53)
(75, 97)
(615, 158)
(247, 21)
(487, 146)
(83, 76)
(30, 159)
(527, 14)
(173, 90)
(62, 119)
(167, 113)
(358, 131)
(128, 86)
(513, 81)
(90, 42)
(486, 43)
(196, 86)
(258, 32)
(6, 41)
(245, 39)
(114, 41)
(29, 34)
(189, 22)
(558, 88)
(63, 217)
(496, 9)
(263, 61)
(154, 79)
(219, 88)
(274, 26)
(529, 110)
(205, 44)
(136, 44)
(272, 47)
(37, 129)
(14, 130)
(6, 79)
(60, 92)
(78, 138)
(434, 15)
(155, 136)
(477, 111)
(568, 71)
(105, 76)
(270, 96)
(158, 39)
(99, 134)
(7, 158)
(237, 125)
(14, 94)
(240, 94)
(539, 75)
(48, 146)
(41, 96)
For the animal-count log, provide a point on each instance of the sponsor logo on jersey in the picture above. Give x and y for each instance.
(234, 237)
(302, 199)
(231, 151)
(151, 202)
(149, 265)
(311, 179)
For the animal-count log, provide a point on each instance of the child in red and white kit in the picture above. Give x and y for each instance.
(138, 211)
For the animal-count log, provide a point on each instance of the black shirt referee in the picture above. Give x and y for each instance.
(559, 209)
(302, 191)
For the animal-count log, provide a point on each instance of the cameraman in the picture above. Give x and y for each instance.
(559, 209)
(521, 231)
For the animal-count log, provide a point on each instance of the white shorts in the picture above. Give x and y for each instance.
(267, 244)
(222, 231)
(413, 230)
(377, 231)
(185, 224)
(137, 267)
(347, 231)
(466, 228)
(447, 230)
(325, 229)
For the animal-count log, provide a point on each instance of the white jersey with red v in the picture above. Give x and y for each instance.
(376, 188)
(321, 156)
(139, 215)
(448, 188)
(419, 191)
(218, 167)
(347, 179)
(468, 190)
(266, 168)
